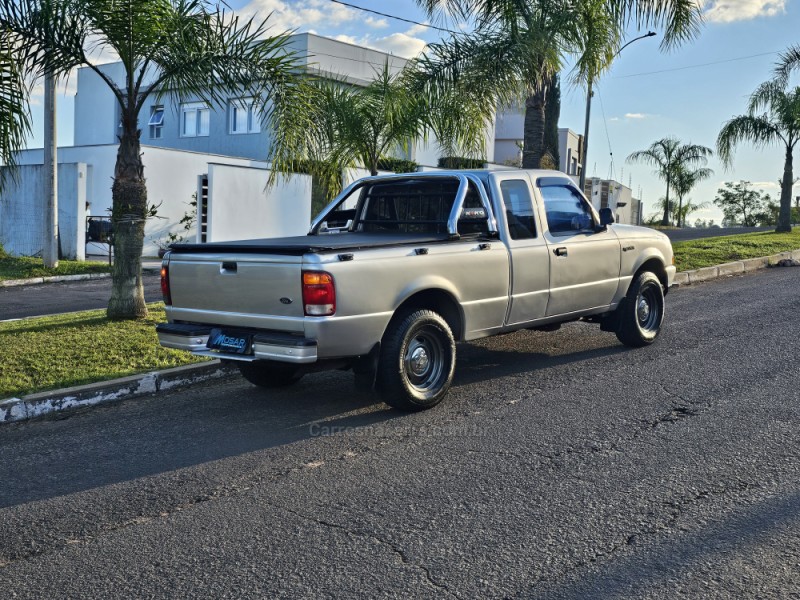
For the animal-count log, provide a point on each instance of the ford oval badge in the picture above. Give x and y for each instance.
(286, 300)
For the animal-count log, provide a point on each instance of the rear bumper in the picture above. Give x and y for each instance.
(281, 347)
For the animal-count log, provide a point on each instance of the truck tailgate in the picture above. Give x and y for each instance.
(254, 284)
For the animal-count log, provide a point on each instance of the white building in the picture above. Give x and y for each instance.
(509, 128)
(191, 150)
(607, 193)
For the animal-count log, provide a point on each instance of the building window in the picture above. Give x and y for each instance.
(156, 122)
(195, 119)
(244, 116)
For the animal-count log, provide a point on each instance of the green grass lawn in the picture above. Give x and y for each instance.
(13, 267)
(714, 251)
(65, 350)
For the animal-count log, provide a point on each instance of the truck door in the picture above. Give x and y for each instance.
(584, 260)
(530, 267)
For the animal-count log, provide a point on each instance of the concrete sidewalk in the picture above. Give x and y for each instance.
(37, 405)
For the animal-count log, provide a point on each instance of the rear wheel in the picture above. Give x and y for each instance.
(642, 312)
(269, 374)
(417, 361)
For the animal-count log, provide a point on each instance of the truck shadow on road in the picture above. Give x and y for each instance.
(172, 431)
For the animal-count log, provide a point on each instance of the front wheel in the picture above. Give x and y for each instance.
(642, 311)
(417, 361)
(269, 374)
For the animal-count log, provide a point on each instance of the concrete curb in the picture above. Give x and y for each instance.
(53, 279)
(43, 403)
(732, 268)
(62, 278)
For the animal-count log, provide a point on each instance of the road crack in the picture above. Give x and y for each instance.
(394, 548)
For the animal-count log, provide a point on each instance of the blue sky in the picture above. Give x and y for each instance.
(689, 92)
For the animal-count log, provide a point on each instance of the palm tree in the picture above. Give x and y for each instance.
(669, 157)
(518, 46)
(183, 48)
(353, 126)
(683, 182)
(779, 124)
(14, 117)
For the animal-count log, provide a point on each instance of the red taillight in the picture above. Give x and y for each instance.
(319, 294)
(165, 293)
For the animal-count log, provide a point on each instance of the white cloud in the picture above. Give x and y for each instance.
(376, 23)
(416, 30)
(771, 185)
(400, 44)
(348, 39)
(727, 11)
(635, 116)
(614, 119)
(284, 16)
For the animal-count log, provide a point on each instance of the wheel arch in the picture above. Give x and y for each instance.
(439, 301)
(654, 264)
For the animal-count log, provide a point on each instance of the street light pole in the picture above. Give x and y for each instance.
(50, 170)
(589, 95)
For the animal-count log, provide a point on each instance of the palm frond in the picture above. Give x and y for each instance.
(15, 122)
(758, 130)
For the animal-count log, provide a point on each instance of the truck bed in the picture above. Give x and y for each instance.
(304, 244)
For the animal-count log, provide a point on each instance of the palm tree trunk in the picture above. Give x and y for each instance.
(680, 209)
(129, 198)
(533, 132)
(665, 219)
(785, 216)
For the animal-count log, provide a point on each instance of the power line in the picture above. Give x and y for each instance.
(388, 16)
(708, 64)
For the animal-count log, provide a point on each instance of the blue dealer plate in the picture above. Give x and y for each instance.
(233, 343)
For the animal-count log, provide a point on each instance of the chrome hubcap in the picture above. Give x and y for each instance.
(419, 361)
(643, 310)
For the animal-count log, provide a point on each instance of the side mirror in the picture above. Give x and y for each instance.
(606, 217)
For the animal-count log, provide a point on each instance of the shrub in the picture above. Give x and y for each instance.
(461, 162)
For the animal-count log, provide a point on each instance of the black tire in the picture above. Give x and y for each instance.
(417, 361)
(642, 311)
(269, 374)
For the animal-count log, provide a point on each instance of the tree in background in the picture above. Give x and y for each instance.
(684, 181)
(779, 125)
(518, 46)
(342, 126)
(14, 109)
(670, 157)
(743, 205)
(552, 115)
(184, 48)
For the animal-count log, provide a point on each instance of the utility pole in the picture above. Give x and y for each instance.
(50, 171)
(589, 94)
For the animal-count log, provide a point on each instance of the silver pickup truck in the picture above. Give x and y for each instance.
(397, 269)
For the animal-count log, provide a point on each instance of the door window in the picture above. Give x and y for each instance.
(519, 209)
(567, 211)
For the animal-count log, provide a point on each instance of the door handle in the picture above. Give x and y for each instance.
(560, 251)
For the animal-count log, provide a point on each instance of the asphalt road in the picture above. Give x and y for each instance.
(562, 465)
(51, 298)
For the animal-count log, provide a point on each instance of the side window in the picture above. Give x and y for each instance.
(519, 209)
(567, 211)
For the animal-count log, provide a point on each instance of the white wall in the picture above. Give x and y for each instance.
(341, 60)
(240, 207)
(96, 113)
(23, 207)
(171, 177)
